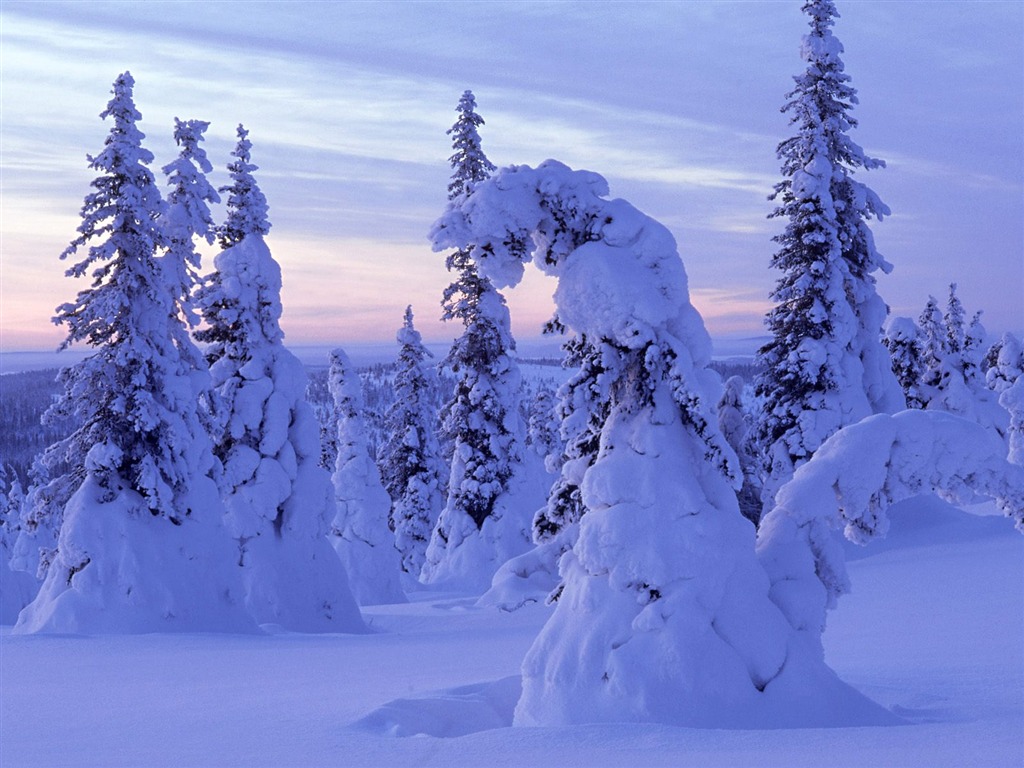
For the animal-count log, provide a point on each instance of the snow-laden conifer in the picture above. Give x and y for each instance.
(247, 207)
(279, 500)
(1005, 361)
(951, 378)
(360, 529)
(409, 456)
(542, 428)
(825, 366)
(482, 419)
(902, 339)
(734, 425)
(665, 614)
(17, 588)
(141, 546)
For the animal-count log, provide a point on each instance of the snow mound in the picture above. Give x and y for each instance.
(118, 570)
(446, 714)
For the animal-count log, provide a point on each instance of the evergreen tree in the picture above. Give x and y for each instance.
(542, 428)
(279, 500)
(665, 614)
(247, 207)
(733, 424)
(188, 213)
(409, 456)
(583, 406)
(482, 419)
(902, 339)
(360, 530)
(825, 366)
(1004, 363)
(141, 455)
(951, 378)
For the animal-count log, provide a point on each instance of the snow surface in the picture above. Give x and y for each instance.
(933, 631)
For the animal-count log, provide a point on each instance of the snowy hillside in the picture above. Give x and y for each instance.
(932, 631)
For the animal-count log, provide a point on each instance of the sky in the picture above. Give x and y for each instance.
(675, 103)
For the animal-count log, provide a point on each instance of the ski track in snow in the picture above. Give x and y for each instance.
(933, 631)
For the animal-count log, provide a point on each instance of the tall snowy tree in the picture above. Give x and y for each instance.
(141, 545)
(665, 614)
(279, 500)
(360, 529)
(17, 588)
(482, 419)
(188, 212)
(409, 457)
(825, 366)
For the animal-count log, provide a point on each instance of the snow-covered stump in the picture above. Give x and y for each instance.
(665, 614)
(359, 530)
(850, 483)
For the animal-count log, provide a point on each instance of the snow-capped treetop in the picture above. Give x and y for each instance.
(621, 281)
(188, 212)
(468, 161)
(247, 207)
(122, 160)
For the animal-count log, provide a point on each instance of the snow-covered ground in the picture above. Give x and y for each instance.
(934, 631)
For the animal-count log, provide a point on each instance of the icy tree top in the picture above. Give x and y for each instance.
(247, 207)
(191, 191)
(469, 161)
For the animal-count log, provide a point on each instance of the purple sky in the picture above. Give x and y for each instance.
(676, 104)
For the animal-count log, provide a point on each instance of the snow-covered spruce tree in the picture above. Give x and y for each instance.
(583, 406)
(188, 212)
(141, 546)
(360, 529)
(17, 588)
(734, 425)
(1005, 363)
(542, 428)
(42, 510)
(902, 339)
(409, 457)
(951, 379)
(279, 500)
(473, 536)
(665, 614)
(825, 365)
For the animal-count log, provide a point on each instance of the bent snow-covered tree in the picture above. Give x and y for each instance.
(850, 483)
(279, 500)
(141, 547)
(825, 366)
(360, 529)
(409, 457)
(665, 614)
(475, 532)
